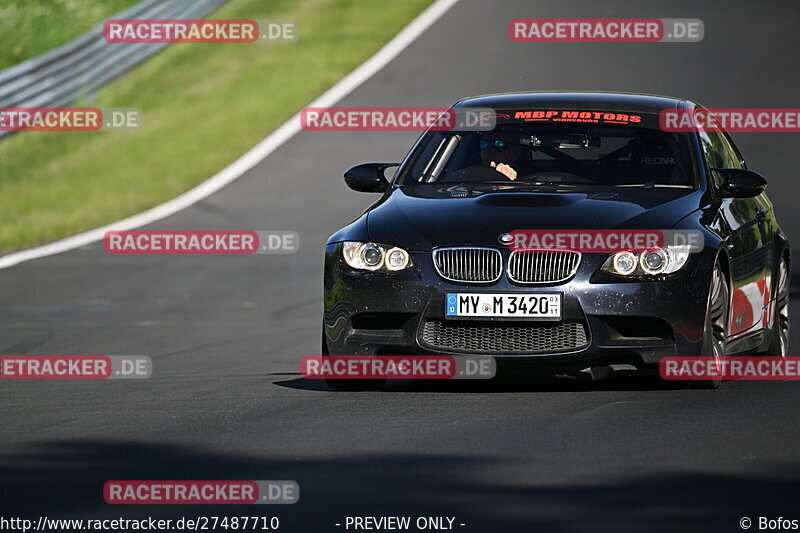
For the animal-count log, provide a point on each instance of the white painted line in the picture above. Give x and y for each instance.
(236, 169)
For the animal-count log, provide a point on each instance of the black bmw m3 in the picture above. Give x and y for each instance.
(431, 266)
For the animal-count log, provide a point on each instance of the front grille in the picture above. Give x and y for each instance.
(542, 266)
(496, 338)
(468, 264)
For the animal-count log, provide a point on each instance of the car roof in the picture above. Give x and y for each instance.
(588, 100)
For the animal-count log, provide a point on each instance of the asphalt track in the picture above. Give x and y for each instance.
(226, 333)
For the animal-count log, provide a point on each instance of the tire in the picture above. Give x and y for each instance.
(349, 384)
(779, 345)
(716, 329)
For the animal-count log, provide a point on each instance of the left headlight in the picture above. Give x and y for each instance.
(371, 256)
(653, 262)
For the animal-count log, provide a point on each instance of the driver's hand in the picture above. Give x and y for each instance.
(504, 169)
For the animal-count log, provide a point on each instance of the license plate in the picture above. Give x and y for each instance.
(538, 305)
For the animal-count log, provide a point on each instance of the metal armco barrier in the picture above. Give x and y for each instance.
(59, 77)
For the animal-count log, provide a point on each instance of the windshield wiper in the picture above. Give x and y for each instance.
(557, 184)
(651, 185)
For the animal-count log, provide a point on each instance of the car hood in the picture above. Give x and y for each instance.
(421, 217)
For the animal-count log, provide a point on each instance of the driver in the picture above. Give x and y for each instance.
(500, 150)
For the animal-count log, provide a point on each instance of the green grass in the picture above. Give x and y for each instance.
(31, 27)
(204, 105)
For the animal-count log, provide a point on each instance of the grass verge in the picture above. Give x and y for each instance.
(32, 27)
(204, 105)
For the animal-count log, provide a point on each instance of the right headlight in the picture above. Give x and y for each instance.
(371, 256)
(652, 262)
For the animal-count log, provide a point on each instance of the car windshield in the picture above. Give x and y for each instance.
(557, 154)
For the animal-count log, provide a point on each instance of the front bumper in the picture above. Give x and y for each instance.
(624, 321)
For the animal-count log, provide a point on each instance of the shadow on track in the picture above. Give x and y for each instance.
(504, 385)
(60, 478)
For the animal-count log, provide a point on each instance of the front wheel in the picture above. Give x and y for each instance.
(349, 384)
(779, 345)
(716, 330)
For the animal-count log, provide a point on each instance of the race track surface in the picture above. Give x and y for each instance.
(226, 333)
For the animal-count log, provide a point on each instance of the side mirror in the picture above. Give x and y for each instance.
(368, 177)
(741, 183)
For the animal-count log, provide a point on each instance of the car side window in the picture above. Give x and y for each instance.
(719, 153)
(733, 157)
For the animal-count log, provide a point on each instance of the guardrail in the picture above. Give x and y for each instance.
(59, 77)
